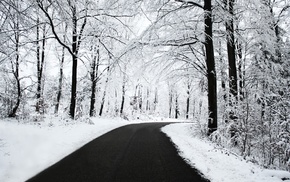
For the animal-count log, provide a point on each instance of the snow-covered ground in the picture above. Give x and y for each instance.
(26, 149)
(216, 164)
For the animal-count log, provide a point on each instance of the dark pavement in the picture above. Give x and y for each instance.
(133, 153)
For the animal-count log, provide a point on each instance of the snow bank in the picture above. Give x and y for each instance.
(216, 164)
(26, 149)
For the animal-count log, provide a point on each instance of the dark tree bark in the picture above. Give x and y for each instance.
(104, 93)
(147, 100)
(155, 99)
(60, 80)
(176, 106)
(123, 100)
(210, 63)
(187, 101)
(123, 92)
(76, 41)
(170, 102)
(15, 69)
(231, 48)
(211, 73)
(223, 79)
(74, 64)
(193, 109)
(94, 77)
(241, 71)
(140, 99)
(40, 64)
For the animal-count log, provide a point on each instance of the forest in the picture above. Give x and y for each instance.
(222, 63)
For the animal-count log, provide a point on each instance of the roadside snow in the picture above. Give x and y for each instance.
(216, 164)
(26, 149)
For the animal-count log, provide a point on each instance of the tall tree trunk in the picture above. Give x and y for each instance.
(231, 48)
(16, 72)
(223, 80)
(211, 73)
(147, 100)
(187, 101)
(94, 76)
(60, 80)
(40, 65)
(176, 106)
(140, 99)
(76, 41)
(241, 72)
(74, 65)
(155, 99)
(104, 93)
(170, 102)
(123, 92)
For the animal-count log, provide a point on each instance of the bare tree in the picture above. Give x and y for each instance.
(15, 26)
(211, 72)
(231, 49)
(77, 35)
(94, 76)
(40, 54)
(123, 91)
(61, 75)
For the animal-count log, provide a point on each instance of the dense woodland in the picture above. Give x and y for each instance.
(222, 63)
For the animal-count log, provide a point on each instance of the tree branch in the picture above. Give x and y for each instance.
(190, 2)
(174, 43)
(40, 5)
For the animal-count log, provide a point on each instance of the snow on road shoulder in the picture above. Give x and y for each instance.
(26, 149)
(216, 164)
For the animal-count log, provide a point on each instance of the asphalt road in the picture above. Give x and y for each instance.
(133, 153)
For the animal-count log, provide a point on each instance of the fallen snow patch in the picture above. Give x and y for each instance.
(218, 165)
(27, 149)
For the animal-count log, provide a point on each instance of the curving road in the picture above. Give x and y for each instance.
(137, 153)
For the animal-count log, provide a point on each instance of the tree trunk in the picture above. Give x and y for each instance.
(123, 93)
(94, 76)
(187, 101)
(211, 73)
(60, 80)
(40, 65)
(74, 66)
(176, 106)
(155, 99)
(241, 72)
(16, 73)
(193, 110)
(231, 48)
(104, 94)
(140, 99)
(147, 100)
(76, 41)
(170, 102)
